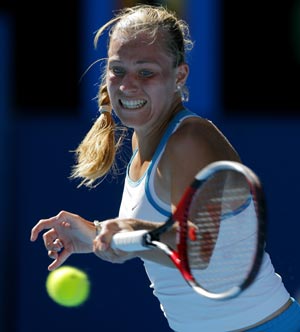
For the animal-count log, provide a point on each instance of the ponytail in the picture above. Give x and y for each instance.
(96, 153)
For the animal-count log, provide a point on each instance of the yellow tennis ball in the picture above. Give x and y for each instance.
(68, 286)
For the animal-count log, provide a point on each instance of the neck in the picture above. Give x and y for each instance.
(147, 142)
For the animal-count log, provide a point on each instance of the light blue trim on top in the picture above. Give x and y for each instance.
(238, 210)
(169, 131)
(130, 181)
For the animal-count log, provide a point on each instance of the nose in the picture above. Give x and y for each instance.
(129, 84)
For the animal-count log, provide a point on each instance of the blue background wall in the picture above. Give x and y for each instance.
(35, 165)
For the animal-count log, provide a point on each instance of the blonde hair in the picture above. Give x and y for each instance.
(96, 153)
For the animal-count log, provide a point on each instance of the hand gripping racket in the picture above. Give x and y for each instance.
(221, 231)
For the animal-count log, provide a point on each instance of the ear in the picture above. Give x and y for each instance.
(182, 74)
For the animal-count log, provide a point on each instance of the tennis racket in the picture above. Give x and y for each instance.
(221, 231)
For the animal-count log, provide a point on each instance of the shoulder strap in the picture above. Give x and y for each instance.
(150, 191)
(173, 125)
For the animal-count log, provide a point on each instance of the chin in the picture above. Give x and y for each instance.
(131, 116)
(132, 123)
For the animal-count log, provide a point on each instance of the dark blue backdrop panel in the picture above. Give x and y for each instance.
(93, 15)
(204, 18)
(121, 294)
(5, 155)
(121, 299)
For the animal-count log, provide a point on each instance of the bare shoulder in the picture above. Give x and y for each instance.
(199, 138)
(194, 145)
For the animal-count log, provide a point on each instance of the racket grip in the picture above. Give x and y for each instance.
(129, 241)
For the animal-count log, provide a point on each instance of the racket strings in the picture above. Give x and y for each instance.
(222, 233)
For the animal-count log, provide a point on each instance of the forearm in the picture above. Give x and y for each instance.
(168, 238)
(156, 256)
(108, 228)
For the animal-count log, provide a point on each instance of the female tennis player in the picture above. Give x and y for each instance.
(144, 83)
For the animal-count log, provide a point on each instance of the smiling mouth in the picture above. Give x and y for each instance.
(132, 104)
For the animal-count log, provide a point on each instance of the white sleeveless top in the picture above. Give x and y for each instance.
(185, 310)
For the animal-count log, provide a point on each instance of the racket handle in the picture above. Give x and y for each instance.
(129, 241)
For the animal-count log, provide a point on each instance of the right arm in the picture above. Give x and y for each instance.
(102, 243)
(197, 141)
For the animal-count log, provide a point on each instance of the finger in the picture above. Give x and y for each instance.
(100, 243)
(55, 246)
(60, 219)
(49, 238)
(58, 245)
(41, 225)
(52, 254)
(60, 258)
(104, 251)
(112, 256)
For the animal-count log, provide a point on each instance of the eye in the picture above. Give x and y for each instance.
(117, 71)
(146, 73)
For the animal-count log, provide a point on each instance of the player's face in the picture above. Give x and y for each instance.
(141, 80)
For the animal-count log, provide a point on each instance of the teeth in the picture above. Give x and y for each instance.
(133, 104)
